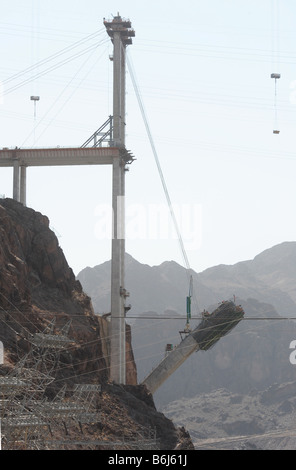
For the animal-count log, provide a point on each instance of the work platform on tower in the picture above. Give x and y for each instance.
(19, 159)
(62, 156)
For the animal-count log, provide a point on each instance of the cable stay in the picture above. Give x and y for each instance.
(180, 240)
(158, 164)
(187, 329)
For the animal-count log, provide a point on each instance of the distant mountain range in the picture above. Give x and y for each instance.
(270, 277)
(254, 355)
(255, 421)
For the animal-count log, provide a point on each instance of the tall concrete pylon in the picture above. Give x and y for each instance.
(121, 33)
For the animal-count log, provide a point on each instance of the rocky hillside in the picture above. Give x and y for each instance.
(37, 286)
(270, 278)
(224, 420)
(39, 294)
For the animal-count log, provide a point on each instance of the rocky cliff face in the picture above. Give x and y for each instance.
(262, 420)
(37, 285)
(38, 289)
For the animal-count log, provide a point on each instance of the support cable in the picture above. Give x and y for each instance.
(53, 56)
(169, 202)
(54, 67)
(62, 93)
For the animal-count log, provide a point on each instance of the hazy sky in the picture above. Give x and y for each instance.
(203, 70)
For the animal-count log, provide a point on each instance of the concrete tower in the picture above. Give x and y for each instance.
(121, 33)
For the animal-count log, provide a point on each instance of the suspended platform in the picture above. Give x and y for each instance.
(211, 329)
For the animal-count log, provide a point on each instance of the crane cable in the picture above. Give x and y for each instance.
(158, 163)
(169, 202)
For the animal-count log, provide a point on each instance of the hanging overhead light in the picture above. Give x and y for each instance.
(275, 76)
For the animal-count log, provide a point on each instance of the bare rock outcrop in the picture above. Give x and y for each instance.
(37, 285)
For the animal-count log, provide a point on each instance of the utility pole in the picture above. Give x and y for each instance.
(121, 33)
